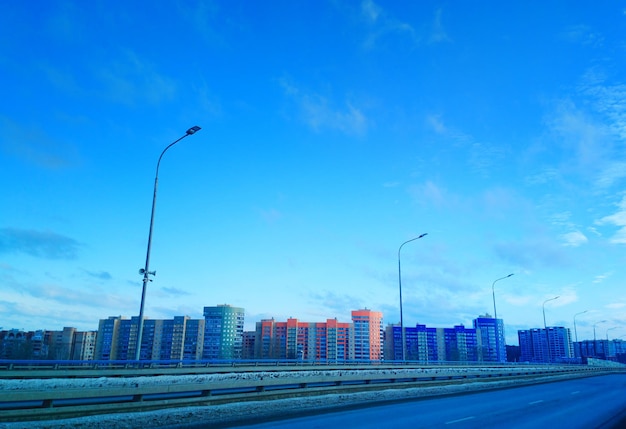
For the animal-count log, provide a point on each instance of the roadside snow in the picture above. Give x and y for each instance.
(113, 382)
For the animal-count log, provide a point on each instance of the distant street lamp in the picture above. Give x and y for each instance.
(545, 327)
(400, 285)
(495, 315)
(606, 351)
(577, 349)
(595, 348)
(610, 329)
(146, 271)
(575, 332)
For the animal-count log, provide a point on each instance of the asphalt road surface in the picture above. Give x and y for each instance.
(594, 402)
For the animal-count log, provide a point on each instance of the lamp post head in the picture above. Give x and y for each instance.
(193, 130)
(423, 235)
(551, 299)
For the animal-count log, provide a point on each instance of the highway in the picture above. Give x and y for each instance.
(593, 402)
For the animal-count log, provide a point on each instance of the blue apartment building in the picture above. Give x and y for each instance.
(493, 345)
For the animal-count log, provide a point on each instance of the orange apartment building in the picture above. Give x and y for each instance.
(293, 339)
(368, 334)
(330, 340)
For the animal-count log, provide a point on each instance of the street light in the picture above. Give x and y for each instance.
(606, 351)
(400, 285)
(146, 271)
(545, 327)
(495, 314)
(607, 331)
(575, 332)
(595, 347)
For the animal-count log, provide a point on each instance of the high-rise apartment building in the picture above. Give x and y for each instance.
(170, 339)
(84, 345)
(107, 339)
(491, 331)
(368, 334)
(17, 344)
(193, 343)
(223, 332)
(249, 338)
(330, 340)
(426, 344)
(541, 345)
(339, 341)
(61, 344)
(421, 343)
(462, 344)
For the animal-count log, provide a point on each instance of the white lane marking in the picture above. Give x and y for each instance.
(535, 402)
(576, 392)
(460, 420)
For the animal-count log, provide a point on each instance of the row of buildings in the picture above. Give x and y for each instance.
(220, 335)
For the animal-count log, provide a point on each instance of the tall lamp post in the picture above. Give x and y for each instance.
(607, 332)
(495, 315)
(146, 271)
(606, 351)
(400, 286)
(575, 332)
(545, 327)
(595, 347)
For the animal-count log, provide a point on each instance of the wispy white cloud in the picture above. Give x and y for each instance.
(318, 112)
(609, 104)
(337, 304)
(610, 100)
(582, 136)
(133, 80)
(384, 26)
(602, 277)
(436, 123)
(429, 193)
(370, 10)
(547, 175)
(531, 254)
(616, 305)
(204, 18)
(517, 300)
(618, 219)
(612, 173)
(438, 33)
(567, 295)
(582, 35)
(31, 144)
(574, 238)
(481, 157)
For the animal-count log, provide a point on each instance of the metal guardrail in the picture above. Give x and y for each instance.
(39, 404)
(9, 368)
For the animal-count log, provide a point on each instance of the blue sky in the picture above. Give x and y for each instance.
(332, 132)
